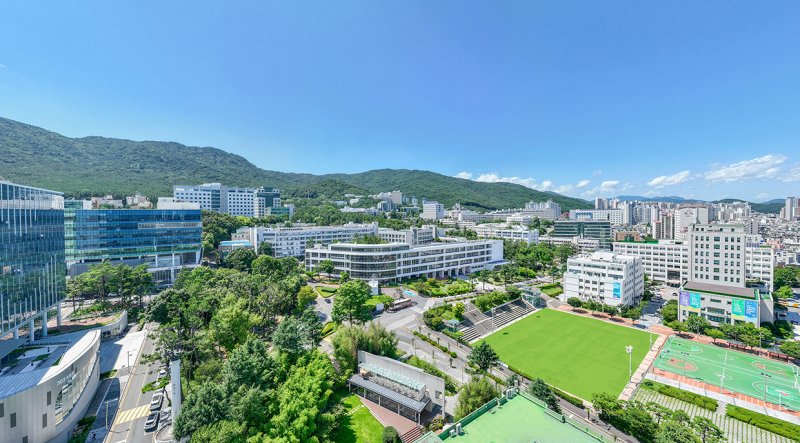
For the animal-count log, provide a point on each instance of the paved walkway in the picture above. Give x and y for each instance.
(389, 418)
(644, 366)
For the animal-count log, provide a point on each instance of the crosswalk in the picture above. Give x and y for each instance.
(132, 414)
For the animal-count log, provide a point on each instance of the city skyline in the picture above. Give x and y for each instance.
(651, 100)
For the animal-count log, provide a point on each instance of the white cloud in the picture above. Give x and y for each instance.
(2, 66)
(597, 172)
(767, 166)
(792, 175)
(582, 183)
(464, 174)
(606, 189)
(669, 180)
(762, 195)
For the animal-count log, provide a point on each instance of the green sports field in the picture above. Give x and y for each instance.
(577, 354)
(733, 370)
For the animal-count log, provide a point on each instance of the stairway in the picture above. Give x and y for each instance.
(412, 435)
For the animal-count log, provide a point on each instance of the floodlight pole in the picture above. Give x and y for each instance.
(765, 384)
(629, 350)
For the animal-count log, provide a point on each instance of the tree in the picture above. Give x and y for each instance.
(791, 348)
(349, 302)
(483, 356)
(611, 310)
(305, 296)
(326, 266)
(785, 292)
(638, 421)
(675, 432)
(543, 392)
(677, 326)
(390, 435)
(265, 248)
(659, 412)
(202, 407)
(697, 324)
(786, 276)
(232, 323)
(715, 334)
(344, 276)
(458, 311)
(669, 312)
(287, 337)
(473, 395)
(240, 259)
(575, 302)
(707, 430)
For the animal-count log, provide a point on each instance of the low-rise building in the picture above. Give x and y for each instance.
(396, 261)
(605, 277)
(507, 232)
(664, 260)
(432, 210)
(292, 241)
(45, 390)
(582, 245)
(725, 304)
(613, 216)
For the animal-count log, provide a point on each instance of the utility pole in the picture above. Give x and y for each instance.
(629, 350)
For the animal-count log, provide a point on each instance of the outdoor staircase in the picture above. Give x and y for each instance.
(412, 435)
(476, 324)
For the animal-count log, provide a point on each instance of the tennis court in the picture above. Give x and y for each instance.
(732, 370)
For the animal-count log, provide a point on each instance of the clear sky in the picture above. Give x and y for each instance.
(692, 98)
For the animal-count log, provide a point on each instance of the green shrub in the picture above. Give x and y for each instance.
(390, 435)
(689, 397)
(764, 422)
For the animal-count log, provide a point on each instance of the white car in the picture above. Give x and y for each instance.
(162, 373)
(155, 403)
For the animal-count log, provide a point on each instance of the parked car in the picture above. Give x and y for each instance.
(162, 373)
(152, 422)
(155, 403)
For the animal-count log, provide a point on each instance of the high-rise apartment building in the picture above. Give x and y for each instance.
(32, 270)
(790, 211)
(686, 217)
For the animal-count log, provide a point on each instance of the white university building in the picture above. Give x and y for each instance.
(396, 261)
(605, 277)
(507, 232)
(292, 241)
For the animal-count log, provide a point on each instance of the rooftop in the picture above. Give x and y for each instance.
(731, 291)
(43, 359)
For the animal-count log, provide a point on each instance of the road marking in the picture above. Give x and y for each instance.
(132, 414)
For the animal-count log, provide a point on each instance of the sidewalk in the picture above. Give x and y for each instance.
(641, 371)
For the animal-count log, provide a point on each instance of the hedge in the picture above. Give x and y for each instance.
(569, 398)
(764, 422)
(689, 397)
(449, 384)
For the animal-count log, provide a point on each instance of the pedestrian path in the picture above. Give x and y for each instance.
(644, 366)
(735, 430)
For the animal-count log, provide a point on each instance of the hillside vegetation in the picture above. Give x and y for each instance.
(86, 166)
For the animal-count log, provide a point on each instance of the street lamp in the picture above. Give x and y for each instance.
(629, 350)
(766, 376)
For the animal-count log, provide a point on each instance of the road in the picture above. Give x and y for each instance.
(135, 406)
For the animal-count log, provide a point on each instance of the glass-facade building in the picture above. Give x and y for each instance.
(599, 230)
(32, 266)
(166, 240)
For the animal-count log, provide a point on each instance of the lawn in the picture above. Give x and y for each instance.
(577, 354)
(553, 289)
(358, 425)
(326, 291)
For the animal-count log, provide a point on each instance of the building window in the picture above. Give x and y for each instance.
(13, 419)
(44, 420)
(49, 397)
(2, 410)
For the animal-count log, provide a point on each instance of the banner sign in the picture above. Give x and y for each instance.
(617, 290)
(690, 301)
(746, 310)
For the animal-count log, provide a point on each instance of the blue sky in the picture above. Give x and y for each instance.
(699, 99)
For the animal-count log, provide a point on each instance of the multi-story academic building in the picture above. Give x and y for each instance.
(605, 277)
(166, 240)
(396, 261)
(598, 230)
(249, 202)
(507, 232)
(717, 287)
(293, 241)
(413, 235)
(32, 271)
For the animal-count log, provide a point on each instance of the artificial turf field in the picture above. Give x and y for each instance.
(735, 371)
(576, 354)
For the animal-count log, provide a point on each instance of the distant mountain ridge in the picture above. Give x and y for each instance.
(81, 167)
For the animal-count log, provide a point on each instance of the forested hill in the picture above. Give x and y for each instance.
(86, 166)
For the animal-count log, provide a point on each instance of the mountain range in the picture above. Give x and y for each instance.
(770, 207)
(87, 166)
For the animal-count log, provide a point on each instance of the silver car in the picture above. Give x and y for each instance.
(152, 422)
(155, 403)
